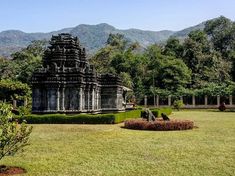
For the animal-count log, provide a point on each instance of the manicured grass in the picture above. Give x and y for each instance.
(111, 150)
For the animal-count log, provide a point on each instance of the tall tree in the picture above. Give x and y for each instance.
(166, 72)
(222, 34)
(206, 64)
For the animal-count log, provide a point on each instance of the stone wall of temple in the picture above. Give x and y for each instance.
(67, 83)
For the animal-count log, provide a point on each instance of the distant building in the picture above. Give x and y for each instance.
(67, 83)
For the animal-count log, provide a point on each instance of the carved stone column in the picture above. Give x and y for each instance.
(58, 99)
(81, 100)
(97, 99)
(93, 99)
(62, 98)
(48, 99)
(88, 99)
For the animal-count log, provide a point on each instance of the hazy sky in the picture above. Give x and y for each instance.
(49, 15)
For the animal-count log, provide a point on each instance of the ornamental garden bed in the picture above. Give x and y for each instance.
(158, 125)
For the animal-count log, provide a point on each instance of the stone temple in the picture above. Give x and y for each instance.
(67, 83)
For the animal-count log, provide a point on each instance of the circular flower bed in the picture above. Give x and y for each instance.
(159, 125)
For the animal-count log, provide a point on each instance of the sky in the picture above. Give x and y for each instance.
(50, 15)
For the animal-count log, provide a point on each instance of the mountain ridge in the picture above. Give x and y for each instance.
(91, 37)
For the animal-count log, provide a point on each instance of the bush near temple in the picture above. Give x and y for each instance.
(81, 118)
(88, 118)
(13, 136)
(70, 119)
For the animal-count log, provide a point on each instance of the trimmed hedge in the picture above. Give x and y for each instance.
(69, 119)
(159, 125)
(88, 118)
(80, 118)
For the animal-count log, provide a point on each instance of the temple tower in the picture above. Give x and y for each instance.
(67, 83)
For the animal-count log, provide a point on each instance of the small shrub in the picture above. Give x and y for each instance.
(159, 125)
(222, 107)
(178, 104)
(13, 136)
(24, 110)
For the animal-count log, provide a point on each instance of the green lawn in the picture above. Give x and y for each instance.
(111, 150)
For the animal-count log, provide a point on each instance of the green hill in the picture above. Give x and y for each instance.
(92, 37)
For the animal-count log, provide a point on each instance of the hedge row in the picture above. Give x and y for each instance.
(80, 118)
(159, 125)
(69, 119)
(87, 118)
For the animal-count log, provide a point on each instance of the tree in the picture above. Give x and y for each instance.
(117, 40)
(171, 69)
(205, 63)
(119, 56)
(173, 74)
(222, 34)
(221, 31)
(36, 47)
(173, 48)
(102, 59)
(12, 90)
(23, 63)
(126, 79)
(166, 72)
(115, 46)
(13, 136)
(28, 60)
(5, 71)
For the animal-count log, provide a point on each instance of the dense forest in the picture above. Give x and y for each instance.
(201, 64)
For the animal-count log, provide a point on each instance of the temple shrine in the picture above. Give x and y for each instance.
(67, 83)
